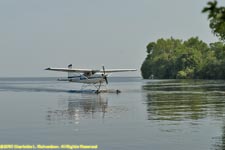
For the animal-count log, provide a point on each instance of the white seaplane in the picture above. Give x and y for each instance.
(97, 78)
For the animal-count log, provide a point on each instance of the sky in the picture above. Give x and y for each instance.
(36, 34)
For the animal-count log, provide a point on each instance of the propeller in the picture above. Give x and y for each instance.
(104, 75)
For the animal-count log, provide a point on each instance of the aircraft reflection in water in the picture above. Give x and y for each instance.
(75, 109)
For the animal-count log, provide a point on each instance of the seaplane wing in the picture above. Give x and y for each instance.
(89, 70)
(72, 70)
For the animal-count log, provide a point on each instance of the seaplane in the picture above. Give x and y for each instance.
(87, 77)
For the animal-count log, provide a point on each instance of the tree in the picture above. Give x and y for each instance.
(216, 16)
(160, 60)
(219, 49)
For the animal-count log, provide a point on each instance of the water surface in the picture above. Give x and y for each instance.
(148, 114)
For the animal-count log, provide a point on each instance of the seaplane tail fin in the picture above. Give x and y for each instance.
(70, 74)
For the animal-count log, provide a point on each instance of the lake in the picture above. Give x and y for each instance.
(148, 114)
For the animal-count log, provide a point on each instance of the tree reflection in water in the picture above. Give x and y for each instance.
(178, 100)
(187, 100)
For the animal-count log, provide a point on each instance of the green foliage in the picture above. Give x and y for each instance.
(174, 58)
(216, 16)
(181, 75)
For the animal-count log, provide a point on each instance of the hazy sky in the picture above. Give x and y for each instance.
(35, 34)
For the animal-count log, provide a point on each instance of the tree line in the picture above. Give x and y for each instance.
(191, 59)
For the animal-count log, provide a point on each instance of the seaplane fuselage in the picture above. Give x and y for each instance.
(81, 78)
